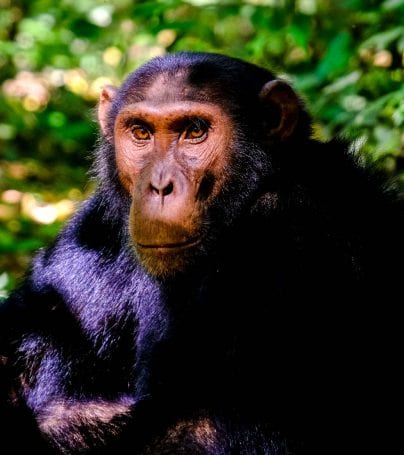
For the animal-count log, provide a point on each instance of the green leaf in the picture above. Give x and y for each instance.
(383, 40)
(336, 57)
(300, 32)
(391, 5)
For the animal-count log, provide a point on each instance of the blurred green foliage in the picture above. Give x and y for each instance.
(345, 57)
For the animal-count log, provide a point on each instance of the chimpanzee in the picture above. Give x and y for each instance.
(228, 288)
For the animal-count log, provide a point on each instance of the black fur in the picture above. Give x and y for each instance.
(273, 343)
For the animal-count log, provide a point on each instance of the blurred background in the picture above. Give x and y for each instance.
(346, 57)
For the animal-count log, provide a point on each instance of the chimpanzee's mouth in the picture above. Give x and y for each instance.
(171, 245)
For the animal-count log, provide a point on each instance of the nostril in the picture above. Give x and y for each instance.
(163, 191)
(168, 189)
(153, 189)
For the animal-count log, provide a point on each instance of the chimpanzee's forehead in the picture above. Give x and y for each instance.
(206, 78)
(169, 86)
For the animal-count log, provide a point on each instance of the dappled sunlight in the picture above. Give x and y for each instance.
(16, 203)
(76, 81)
(45, 213)
(112, 56)
(34, 90)
(31, 88)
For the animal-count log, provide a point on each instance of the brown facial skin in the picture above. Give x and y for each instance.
(172, 155)
(171, 158)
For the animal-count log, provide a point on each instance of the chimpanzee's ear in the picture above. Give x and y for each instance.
(104, 107)
(282, 102)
